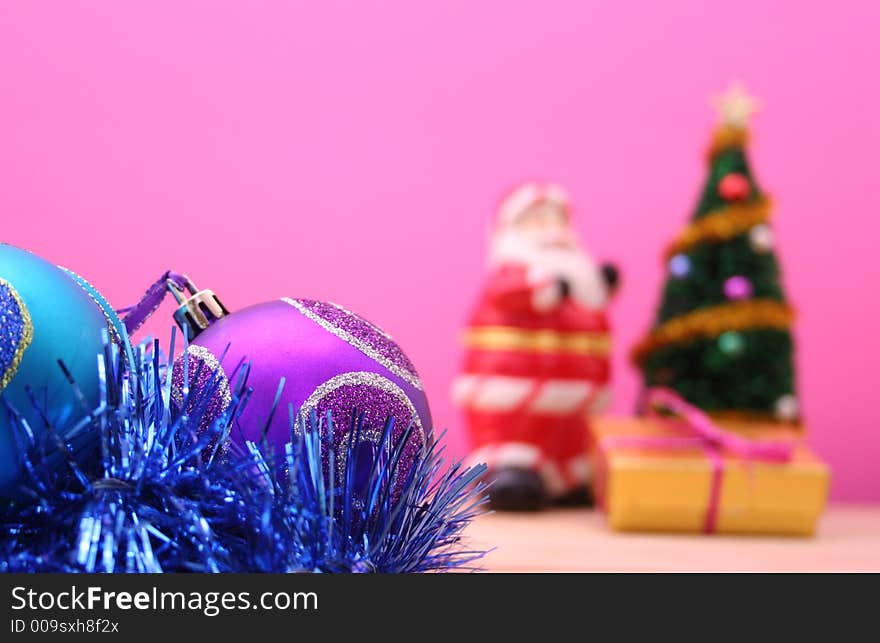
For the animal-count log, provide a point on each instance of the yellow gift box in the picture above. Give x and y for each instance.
(644, 485)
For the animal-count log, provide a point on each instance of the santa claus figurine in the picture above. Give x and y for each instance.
(537, 354)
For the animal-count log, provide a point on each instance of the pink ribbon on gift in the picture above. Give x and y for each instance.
(697, 430)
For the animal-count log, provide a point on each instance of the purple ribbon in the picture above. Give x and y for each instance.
(134, 316)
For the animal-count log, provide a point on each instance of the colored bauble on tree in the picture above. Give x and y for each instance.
(787, 408)
(679, 266)
(734, 187)
(317, 357)
(761, 238)
(737, 287)
(47, 315)
(731, 343)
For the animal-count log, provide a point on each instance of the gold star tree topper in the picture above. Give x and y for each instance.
(735, 106)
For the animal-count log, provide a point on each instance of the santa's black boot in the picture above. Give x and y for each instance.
(579, 497)
(516, 490)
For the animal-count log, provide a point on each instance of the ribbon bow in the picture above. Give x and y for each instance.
(697, 430)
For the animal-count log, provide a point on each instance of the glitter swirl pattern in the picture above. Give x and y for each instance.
(357, 331)
(16, 332)
(378, 398)
(205, 373)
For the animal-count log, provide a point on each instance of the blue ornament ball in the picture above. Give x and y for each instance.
(47, 313)
(680, 266)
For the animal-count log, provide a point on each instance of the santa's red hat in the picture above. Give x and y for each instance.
(527, 195)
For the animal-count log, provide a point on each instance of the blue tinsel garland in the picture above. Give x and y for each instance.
(159, 496)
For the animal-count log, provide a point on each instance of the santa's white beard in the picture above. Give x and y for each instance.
(544, 260)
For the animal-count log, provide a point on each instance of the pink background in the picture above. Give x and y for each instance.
(354, 151)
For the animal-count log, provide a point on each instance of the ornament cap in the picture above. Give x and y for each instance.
(198, 309)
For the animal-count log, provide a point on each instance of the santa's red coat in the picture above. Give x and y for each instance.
(531, 377)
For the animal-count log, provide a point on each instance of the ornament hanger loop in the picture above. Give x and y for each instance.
(179, 291)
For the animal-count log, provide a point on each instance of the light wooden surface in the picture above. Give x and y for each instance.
(848, 539)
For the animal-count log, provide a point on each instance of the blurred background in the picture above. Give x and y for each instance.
(355, 151)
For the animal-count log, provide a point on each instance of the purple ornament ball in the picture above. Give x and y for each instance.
(201, 372)
(737, 288)
(331, 360)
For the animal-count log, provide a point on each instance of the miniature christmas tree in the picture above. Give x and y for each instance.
(722, 335)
